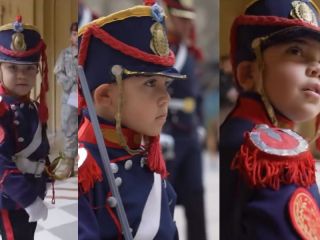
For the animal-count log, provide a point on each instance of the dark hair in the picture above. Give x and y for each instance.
(74, 26)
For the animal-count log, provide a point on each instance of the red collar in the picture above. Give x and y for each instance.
(253, 110)
(111, 139)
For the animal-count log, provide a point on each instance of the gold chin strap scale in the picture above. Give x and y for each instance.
(117, 71)
(316, 136)
(256, 46)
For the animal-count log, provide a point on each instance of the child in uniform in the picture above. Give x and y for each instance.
(24, 146)
(268, 184)
(128, 66)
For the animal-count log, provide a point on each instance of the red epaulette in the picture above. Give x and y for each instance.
(270, 157)
(88, 170)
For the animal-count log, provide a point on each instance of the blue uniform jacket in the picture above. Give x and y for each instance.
(148, 200)
(246, 212)
(19, 120)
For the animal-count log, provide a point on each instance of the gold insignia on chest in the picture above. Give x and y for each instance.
(18, 43)
(303, 12)
(304, 214)
(159, 42)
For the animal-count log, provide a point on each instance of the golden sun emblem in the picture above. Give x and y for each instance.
(159, 42)
(18, 43)
(302, 11)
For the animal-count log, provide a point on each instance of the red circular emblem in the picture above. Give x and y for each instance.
(2, 134)
(305, 214)
(278, 141)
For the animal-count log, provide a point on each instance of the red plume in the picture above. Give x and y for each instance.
(149, 2)
(19, 18)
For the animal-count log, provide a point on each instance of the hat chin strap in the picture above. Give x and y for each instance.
(117, 72)
(257, 43)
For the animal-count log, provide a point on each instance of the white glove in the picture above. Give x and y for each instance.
(37, 210)
(202, 134)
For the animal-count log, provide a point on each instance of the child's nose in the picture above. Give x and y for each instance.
(314, 70)
(164, 98)
(21, 73)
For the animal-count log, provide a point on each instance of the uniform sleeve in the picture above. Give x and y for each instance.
(12, 181)
(61, 73)
(233, 191)
(266, 215)
(88, 227)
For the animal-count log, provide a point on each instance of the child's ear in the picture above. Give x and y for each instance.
(102, 95)
(247, 74)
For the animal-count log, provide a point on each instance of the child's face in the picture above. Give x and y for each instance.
(18, 79)
(74, 38)
(145, 104)
(292, 78)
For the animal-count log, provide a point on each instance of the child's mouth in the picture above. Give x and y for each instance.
(162, 116)
(313, 89)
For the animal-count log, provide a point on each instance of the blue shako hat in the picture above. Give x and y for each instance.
(20, 43)
(271, 22)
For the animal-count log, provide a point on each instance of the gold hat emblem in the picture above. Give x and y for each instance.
(159, 42)
(18, 43)
(302, 11)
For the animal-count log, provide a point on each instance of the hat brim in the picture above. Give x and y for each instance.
(18, 62)
(290, 33)
(170, 73)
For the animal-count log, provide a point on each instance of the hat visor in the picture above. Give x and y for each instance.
(18, 62)
(291, 33)
(170, 73)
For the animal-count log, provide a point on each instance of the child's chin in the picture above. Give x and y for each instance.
(20, 94)
(152, 133)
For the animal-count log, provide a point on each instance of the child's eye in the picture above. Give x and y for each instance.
(150, 83)
(12, 67)
(32, 68)
(297, 51)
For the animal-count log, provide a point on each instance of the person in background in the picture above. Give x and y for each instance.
(185, 118)
(66, 74)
